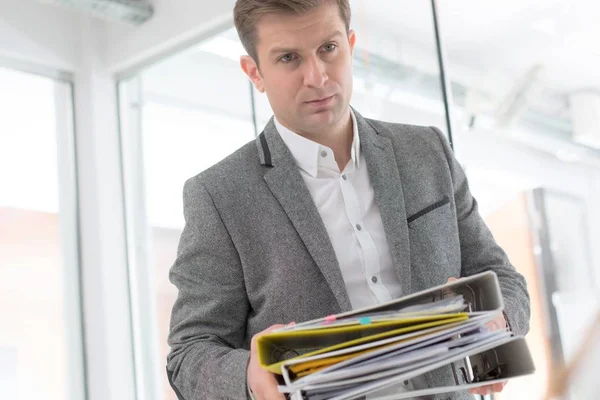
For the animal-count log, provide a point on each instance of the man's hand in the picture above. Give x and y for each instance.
(262, 383)
(493, 325)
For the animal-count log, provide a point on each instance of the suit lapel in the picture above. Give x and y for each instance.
(385, 178)
(288, 187)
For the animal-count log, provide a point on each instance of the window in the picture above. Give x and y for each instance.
(40, 338)
(178, 118)
(525, 129)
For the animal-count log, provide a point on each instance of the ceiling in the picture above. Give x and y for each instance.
(503, 38)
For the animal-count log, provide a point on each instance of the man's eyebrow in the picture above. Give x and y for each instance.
(277, 50)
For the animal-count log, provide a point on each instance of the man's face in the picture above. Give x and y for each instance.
(305, 68)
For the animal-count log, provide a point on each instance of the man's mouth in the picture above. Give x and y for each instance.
(320, 102)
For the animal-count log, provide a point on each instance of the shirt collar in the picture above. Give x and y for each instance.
(306, 152)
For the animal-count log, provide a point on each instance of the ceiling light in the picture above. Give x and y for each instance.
(132, 11)
(545, 25)
(567, 156)
(585, 114)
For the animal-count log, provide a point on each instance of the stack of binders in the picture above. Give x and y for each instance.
(353, 354)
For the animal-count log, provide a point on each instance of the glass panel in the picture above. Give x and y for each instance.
(40, 331)
(524, 120)
(567, 226)
(184, 114)
(195, 110)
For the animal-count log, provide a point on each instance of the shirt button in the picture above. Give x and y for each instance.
(323, 154)
(344, 177)
(358, 227)
(374, 279)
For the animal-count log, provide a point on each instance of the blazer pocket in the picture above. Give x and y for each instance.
(434, 245)
(428, 210)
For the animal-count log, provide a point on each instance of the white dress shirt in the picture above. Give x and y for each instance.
(346, 202)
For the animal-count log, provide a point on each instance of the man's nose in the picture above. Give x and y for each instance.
(314, 72)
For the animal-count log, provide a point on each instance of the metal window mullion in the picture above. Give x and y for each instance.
(68, 217)
(139, 236)
(444, 78)
(253, 107)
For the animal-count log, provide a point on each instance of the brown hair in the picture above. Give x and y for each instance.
(247, 13)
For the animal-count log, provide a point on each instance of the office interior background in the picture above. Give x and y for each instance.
(108, 106)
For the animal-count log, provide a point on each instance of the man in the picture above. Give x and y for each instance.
(327, 211)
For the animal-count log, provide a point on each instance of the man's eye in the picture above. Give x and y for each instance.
(330, 47)
(287, 58)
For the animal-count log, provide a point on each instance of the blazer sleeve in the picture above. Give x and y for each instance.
(208, 321)
(479, 250)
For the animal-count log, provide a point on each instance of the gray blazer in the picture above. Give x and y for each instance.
(254, 251)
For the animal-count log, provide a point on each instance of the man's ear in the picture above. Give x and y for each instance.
(351, 40)
(251, 69)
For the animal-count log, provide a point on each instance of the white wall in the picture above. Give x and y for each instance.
(39, 33)
(50, 36)
(175, 25)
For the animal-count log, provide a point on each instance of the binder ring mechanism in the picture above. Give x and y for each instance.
(487, 367)
(483, 369)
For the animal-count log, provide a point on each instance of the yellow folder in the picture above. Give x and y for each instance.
(277, 347)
